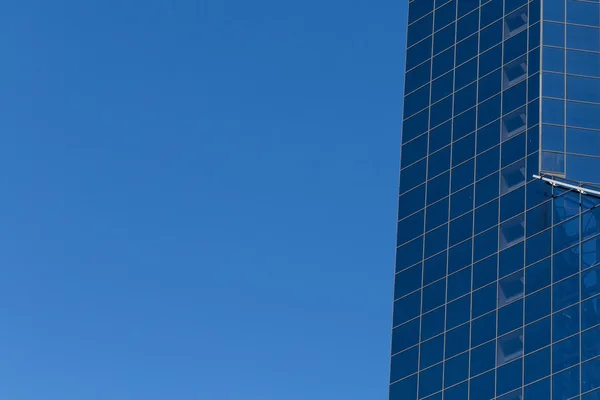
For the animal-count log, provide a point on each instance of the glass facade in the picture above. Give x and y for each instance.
(497, 281)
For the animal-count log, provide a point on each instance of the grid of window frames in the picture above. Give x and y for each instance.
(497, 273)
(571, 89)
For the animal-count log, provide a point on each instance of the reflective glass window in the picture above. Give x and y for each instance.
(513, 176)
(566, 234)
(418, 53)
(434, 295)
(415, 125)
(432, 352)
(512, 204)
(434, 268)
(464, 123)
(440, 136)
(436, 214)
(590, 313)
(407, 308)
(490, 36)
(539, 390)
(458, 311)
(411, 202)
(419, 30)
(565, 353)
(463, 149)
(553, 85)
(441, 111)
(459, 256)
(511, 259)
(510, 317)
(582, 37)
(484, 300)
(442, 87)
(566, 263)
(537, 305)
(554, 34)
(486, 244)
(486, 216)
(407, 281)
(443, 39)
(430, 380)
(405, 336)
(554, 10)
(490, 12)
(485, 271)
(537, 335)
(513, 124)
(463, 175)
(457, 370)
(411, 227)
(459, 284)
(537, 365)
(417, 77)
(512, 232)
(457, 340)
(445, 14)
(515, 47)
(537, 247)
(482, 386)
(467, 26)
(437, 188)
(439, 162)
(483, 329)
(590, 282)
(554, 59)
(490, 85)
(590, 343)
(509, 377)
(465, 98)
(565, 293)
(583, 89)
(419, 8)
(488, 111)
(458, 392)
(583, 141)
(490, 60)
(590, 253)
(466, 6)
(488, 136)
(486, 189)
(553, 138)
(412, 176)
(537, 276)
(565, 323)
(461, 202)
(583, 13)
(409, 254)
(432, 323)
(404, 364)
(442, 62)
(466, 74)
(435, 240)
(514, 97)
(488, 162)
(566, 384)
(583, 63)
(590, 376)
(414, 150)
(483, 358)
(512, 287)
(466, 49)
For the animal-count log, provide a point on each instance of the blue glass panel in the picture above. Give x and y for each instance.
(465, 98)
(565, 293)
(488, 136)
(486, 189)
(490, 36)
(537, 305)
(553, 111)
(515, 47)
(437, 188)
(583, 63)
(488, 111)
(482, 387)
(404, 364)
(554, 34)
(407, 308)
(484, 300)
(419, 8)
(441, 112)
(514, 97)
(415, 125)
(590, 282)
(583, 13)
(438, 162)
(537, 247)
(457, 340)
(590, 313)
(583, 169)
(409, 254)
(418, 53)
(440, 136)
(405, 389)
(435, 241)
(512, 204)
(467, 26)
(461, 201)
(436, 214)
(466, 6)
(590, 375)
(458, 311)
(483, 358)
(537, 276)
(405, 336)
(566, 234)
(490, 60)
(566, 263)
(582, 37)
(443, 39)
(458, 392)
(417, 77)
(459, 284)
(434, 295)
(554, 10)
(410, 227)
(511, 259)
(565, 353)
(486, 216)
(433, 323)
(554, 59)
(583, 115)
(553, 85)
(464, 123)
(537, 365)
(463, 175)
(539, 218)
(583, 89)
(411, 202)
(486, 244)
(456, 370)
(445, 14)
(419, 30)
(490, 12)
(432, 352)
(430, 380)
(537, 335)
(583, 141)
(510, 317)
(509, 377)
(442, 87)
(466, 49)
(459, 256)
(466, 73)
(485, 271)
(537, 391)
(407, 281)
(434, 268)
(590, 253)
(590, 343)
(483, 329)
(412, 176)
(566, 384)
(565, 323)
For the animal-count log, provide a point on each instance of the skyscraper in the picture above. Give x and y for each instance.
(498, 248)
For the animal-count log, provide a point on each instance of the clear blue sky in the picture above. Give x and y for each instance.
(198, 198)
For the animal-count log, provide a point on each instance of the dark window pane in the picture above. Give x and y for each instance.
(417, 77)
(433, 323)
(457, 370)
(459, 284)
(419, 30)
(436, 214)
(484, 300)
(407, 281)
(419, 8)
(434, 268)
(537, 335)
(537, 305)
(404, 364)
(458, 311)
(434, 295)
(405, 336)
(432, 352)
(459, 256)
(418, 53)
(537, 276)
(483, 358)
(537, 365)
(483, 329)
(485, 271)
(457, 340)
(430, 380)
(407, 308)
(409, 254)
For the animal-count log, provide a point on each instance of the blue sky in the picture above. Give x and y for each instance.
(198, 198)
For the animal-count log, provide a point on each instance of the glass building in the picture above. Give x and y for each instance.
(497, 292)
